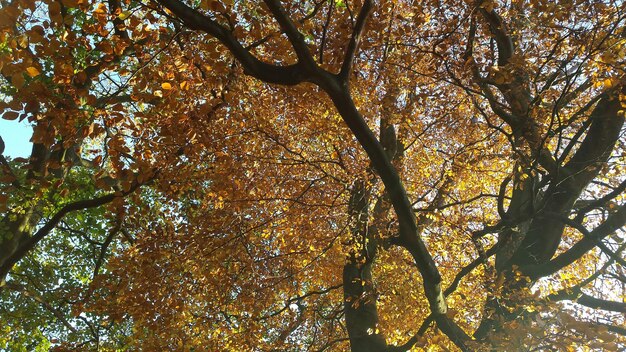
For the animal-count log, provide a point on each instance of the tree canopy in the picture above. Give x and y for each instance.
(319, 175)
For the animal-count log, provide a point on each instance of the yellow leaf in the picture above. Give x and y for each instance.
(123, 15)
(33, 72)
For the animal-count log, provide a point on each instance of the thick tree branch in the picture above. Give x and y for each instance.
(576, 295)
(583, 230)
(331, 7)
(613, 328)
(596, 148)
(287, 75)
(295, 37)
(500, 34)
(388, 174)
(545, 232)
(408, 230)
(353, 45)
(614, 222)
(360, 301)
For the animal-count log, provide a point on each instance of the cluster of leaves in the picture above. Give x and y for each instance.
(314, 175)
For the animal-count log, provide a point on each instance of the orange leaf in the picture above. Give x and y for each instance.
(32, 71)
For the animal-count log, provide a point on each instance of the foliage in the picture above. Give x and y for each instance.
(314, 175)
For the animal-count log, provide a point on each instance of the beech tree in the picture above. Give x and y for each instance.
(321, 175)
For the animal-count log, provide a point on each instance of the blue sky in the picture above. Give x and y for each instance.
(16, 136)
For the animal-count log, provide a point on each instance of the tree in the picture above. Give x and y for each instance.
(484, 151)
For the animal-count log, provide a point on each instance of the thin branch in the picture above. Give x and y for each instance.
(601, 201)
(103, 249)
(39, 299)
(299, 298)
(331, 7)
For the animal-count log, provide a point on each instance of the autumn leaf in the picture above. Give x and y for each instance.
(124, 15)
(287, 175)
(32, 71)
